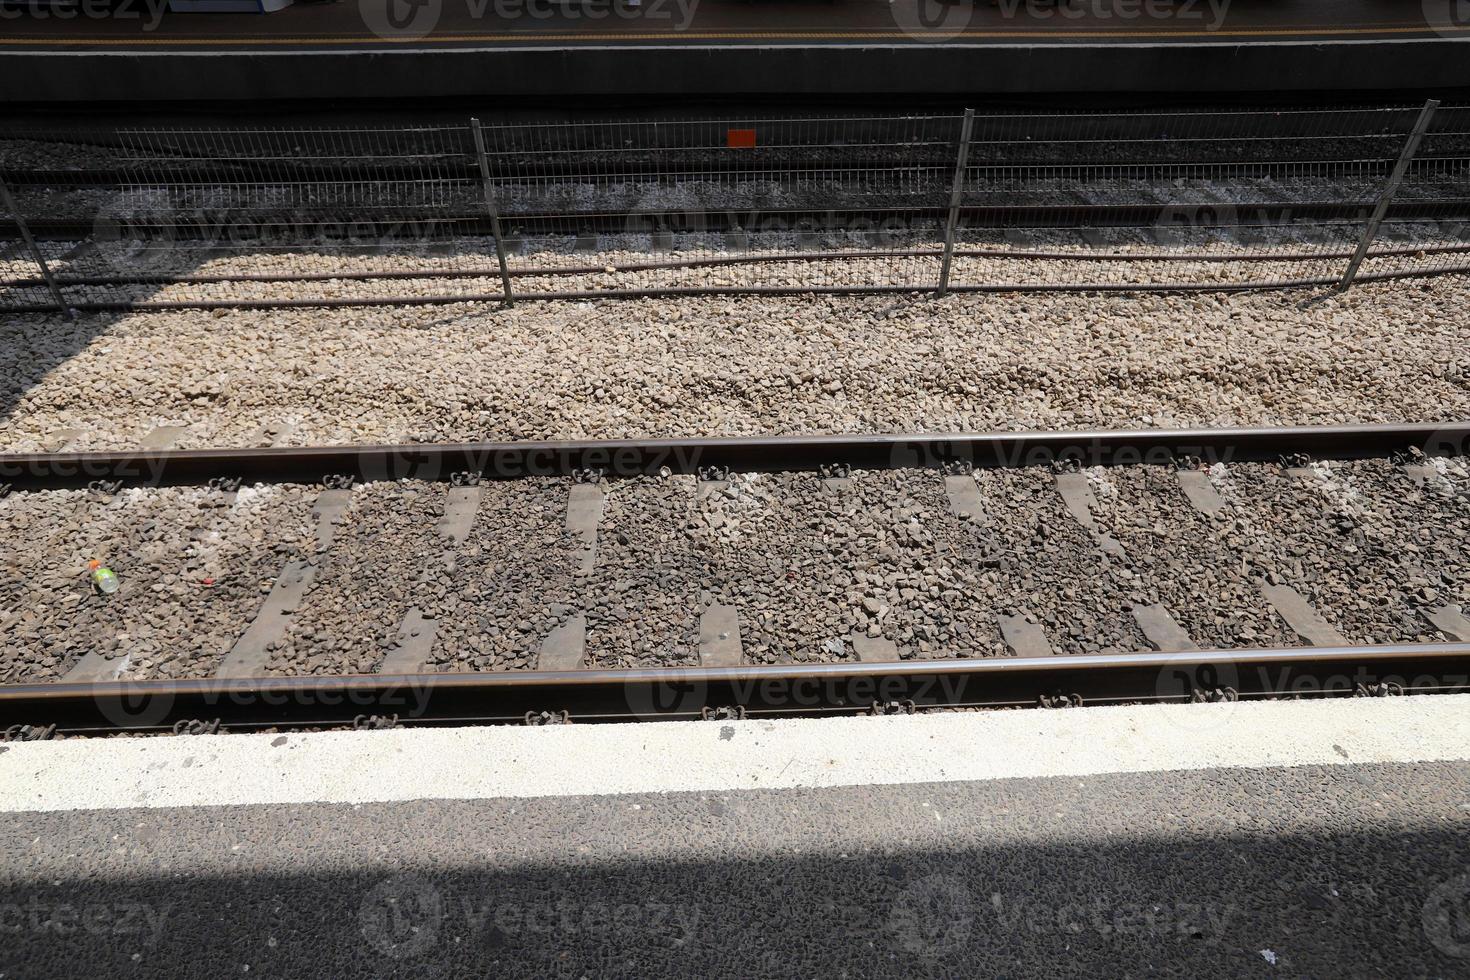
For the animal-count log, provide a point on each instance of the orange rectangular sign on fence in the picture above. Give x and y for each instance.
(740, 139)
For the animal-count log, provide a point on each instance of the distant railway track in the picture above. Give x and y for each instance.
(806, 165)
(591, 581)
(425, 226)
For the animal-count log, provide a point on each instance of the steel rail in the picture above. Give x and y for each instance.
(762, 691)
(626, 457)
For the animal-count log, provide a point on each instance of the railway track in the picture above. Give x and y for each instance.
(721, 218)
(538, 582)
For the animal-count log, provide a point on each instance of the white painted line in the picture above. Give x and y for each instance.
(484, 763)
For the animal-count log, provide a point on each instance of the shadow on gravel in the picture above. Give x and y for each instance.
(32, 345)
(1015, 878)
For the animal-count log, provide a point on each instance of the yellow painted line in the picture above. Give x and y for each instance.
(679, 36)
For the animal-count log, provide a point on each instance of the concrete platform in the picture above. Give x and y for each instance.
(550, 49)
(1306, 838)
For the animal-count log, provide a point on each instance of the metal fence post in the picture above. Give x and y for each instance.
(25, 235)
(494, 211)
(956, 194)
(1406, 156)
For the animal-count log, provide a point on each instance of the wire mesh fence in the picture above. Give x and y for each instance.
(1016, 201)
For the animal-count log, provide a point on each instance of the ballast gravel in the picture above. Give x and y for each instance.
(365, 580)
(1193, 564)
(513, 579)
(816, 567)
(738, 366)
(193, 566)
(816, 570)
(640, 599)
(1352, 537)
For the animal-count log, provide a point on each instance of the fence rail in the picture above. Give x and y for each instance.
(1144, 201)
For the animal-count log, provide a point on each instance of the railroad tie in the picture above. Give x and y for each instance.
(565, 648)
(1200, 491)
(719, 637)
(1077, 496)
(964, 497)
(1161, 630)
(1025, 638)
(711, 484)
(1421, 473)
(460, 506)
(248, 657)
(95, 668)
(61, 440)
(584, 513)
(162, 437)
(873, 649)
(414, 644)
(1450, 620)
(272, 434)
(836, 484)
(1301, 617)
(328, 509)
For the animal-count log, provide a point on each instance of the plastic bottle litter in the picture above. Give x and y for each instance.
(104, 578)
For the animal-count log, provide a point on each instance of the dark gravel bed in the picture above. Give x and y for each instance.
(640, 599)
(48, 541)
(1437, 550)
(1335, 540)
(1052, 571)
(816, 570)
(810, 566)
(497, 594)
(365, 582)
(191, 569)
(1186, 560)
(234, 560)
